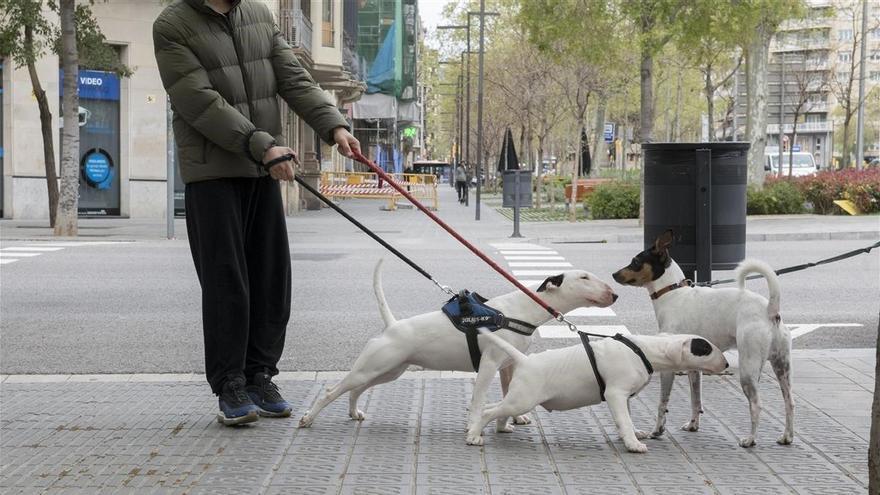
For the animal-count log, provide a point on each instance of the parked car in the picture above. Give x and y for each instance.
(803, 164)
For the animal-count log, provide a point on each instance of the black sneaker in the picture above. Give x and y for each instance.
(235, 406)
(266, 396)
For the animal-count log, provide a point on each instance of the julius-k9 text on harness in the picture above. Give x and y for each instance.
(467, 311)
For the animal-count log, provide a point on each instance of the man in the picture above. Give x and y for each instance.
(461, 182)
(223, 63)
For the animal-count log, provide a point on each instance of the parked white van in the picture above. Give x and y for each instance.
(804, 164)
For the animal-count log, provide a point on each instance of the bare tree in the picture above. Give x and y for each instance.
(846, 79)
(66, 218)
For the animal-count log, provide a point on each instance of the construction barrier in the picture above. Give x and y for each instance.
(366, 185)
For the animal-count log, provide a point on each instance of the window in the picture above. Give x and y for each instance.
(327, 34)
(875, 55)
(874, 33)
(875, 75)
(845, 35)
(843, 56)
(842, 76)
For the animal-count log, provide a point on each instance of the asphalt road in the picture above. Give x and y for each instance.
(134, 307)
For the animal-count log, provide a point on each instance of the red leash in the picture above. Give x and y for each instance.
(381, 173)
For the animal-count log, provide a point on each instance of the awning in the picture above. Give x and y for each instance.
(375, 106)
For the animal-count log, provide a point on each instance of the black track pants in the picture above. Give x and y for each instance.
(238, 238)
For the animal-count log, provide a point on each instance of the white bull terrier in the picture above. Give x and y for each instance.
(728, 317)
(431, 341)
(563, 379)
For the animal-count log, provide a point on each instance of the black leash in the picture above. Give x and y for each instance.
(370, 233)
(796, 268)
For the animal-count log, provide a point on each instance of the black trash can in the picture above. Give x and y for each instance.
(699, 191)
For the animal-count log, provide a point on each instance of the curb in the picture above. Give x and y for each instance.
(854, 353)
(794, 236)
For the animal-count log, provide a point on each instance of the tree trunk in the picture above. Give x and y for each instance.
(710, 102)
(874, 440)
(756, 123)
(539, 187)
(68, 205)
(646, 73)
(598, 135)
(46, 131)
(846, 121)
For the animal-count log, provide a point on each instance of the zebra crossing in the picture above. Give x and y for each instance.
(13, 254)
(531, 264)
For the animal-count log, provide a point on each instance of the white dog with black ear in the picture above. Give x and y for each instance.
(563, 379)
(431, 341)
(730, 318)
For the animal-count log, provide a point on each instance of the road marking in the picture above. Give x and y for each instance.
(17, 254)
(801, 329)
(31, 248)
(562, 331)
(6, 261)
(534, 258)
(530, 282)
(531, 252)
(591, 312)
(536, 273)
(534, 264)
(515, 247)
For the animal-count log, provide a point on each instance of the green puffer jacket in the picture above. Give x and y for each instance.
(223, 74)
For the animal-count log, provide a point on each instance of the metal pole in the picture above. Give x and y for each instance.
(703, 196)
(516, 200)
(860, 125)
(467, 132)
(781, 109)
(461, 112)
(735, 101)
(480, 110)
(169, 173)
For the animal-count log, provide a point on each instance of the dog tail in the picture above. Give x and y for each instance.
(387, 316)
(505, 346)
(754, 266)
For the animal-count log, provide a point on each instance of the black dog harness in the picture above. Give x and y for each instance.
(468, 312)
(585, 339)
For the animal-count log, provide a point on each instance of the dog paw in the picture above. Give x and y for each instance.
(658, 432)
(692, 425)
(356, 415)
(505, 428)
(522, 420)
(642, 434)
(747, 442)
(637, 448)
(306, 421)
(475, 440)
(785, 439)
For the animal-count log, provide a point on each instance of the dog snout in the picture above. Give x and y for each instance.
(617, 277)
(613, 297)
(726, 364)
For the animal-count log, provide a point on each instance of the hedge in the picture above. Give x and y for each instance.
(779, 197)
(615, 199)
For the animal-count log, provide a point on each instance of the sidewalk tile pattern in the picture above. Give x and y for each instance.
(154, 437)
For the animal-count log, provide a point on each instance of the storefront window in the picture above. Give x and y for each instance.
(98, 142)
(327, 34)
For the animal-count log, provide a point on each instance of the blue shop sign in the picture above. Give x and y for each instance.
(94, 85)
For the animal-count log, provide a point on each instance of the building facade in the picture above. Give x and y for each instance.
(814, 68)
(123, 128)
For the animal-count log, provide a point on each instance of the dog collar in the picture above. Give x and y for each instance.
(684, 283)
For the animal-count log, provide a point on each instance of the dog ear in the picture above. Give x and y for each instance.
(700, 347)
(551, 282)
(663, 241)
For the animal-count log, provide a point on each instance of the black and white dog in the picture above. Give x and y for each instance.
(728, 318)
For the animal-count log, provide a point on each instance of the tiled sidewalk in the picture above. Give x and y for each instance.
(161, 437)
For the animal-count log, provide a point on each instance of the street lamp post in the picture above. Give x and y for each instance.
(479, 158)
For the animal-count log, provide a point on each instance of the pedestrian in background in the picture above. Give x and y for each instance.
(461, 182)
(223, 63)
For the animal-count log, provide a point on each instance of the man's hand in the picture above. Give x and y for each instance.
(283, 170)
(346, 141)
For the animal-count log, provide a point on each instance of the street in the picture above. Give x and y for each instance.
(134, 307)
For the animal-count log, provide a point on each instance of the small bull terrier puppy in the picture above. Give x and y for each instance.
(729, 317)
(563, 379)
(431, 341)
